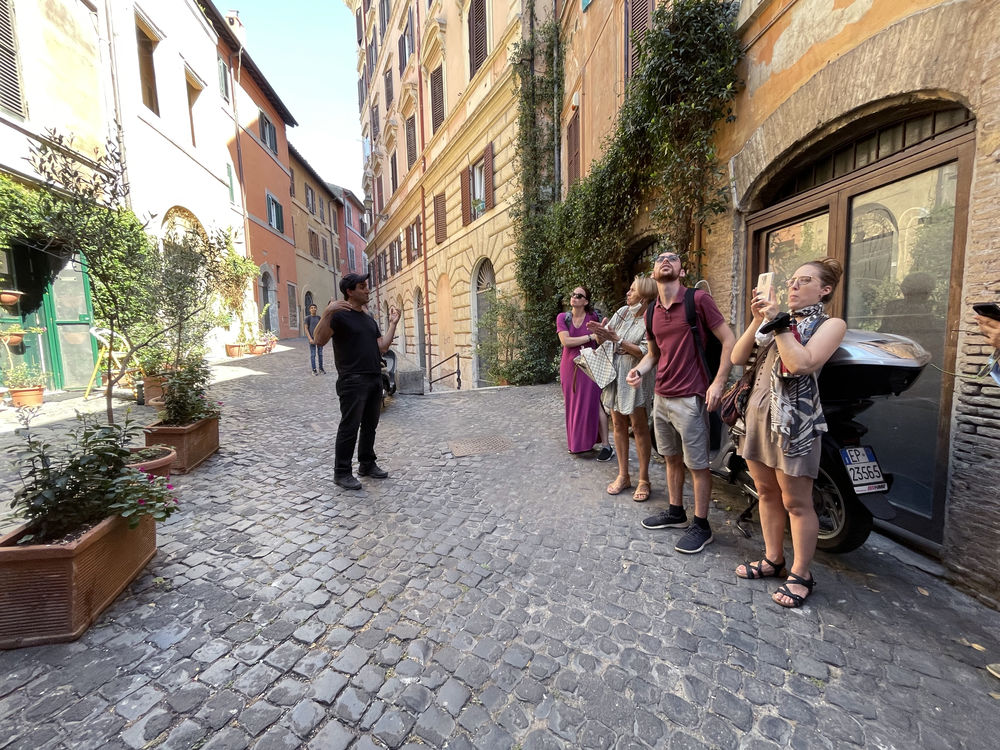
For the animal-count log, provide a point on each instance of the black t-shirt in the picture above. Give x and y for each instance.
(311, 322)
(355, 343)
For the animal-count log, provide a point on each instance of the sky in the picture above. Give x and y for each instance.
(308, 51)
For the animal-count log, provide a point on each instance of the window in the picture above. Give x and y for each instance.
(393, 177)
(636, 25)
(375, 129)
(348, 219)
(232, 186)
(291, 181)
(379, 200)
(322, 215)
(268, 133)
(326, 257)
(477, 187)
(478, 190)
(383, 17)
(437, 98)
(333, 215)
(10, 78)
(147, 71)
(413, 241)
(477, 35)
(406, 42)
(361, 26)
(361, 92)
(310, 199)
(351, 260)
(314, 244)
(223, 79)
(193, 91)
(440, 219)
(411, 141)
(275, 214)
(293, 308)
(387, 78)
(397, 255)
(573, 149)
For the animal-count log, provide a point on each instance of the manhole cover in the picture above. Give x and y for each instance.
(479, 446)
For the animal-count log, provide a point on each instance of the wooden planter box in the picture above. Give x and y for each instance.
(152, 387)
(193, 442)
(50, 593)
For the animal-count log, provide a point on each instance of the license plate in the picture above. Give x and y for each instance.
(863, 469)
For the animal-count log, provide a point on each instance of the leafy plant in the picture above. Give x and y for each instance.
(235, 272)
(23, 375)
(67, 489)
(185, 398)
(504, 323)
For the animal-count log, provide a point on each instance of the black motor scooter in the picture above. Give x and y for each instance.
(849, 490)
(388, 374)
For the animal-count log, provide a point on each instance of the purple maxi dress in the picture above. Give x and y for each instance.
(581, 394)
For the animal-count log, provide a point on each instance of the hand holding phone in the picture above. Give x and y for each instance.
(988, 310)
(765, 282)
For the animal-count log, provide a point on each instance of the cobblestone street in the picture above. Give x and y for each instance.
(499, 600)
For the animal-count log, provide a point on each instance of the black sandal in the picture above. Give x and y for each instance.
(797, 601)
(755, 570)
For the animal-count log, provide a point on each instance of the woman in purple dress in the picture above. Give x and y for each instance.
(586, 422)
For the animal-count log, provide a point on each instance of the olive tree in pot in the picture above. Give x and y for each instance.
(89, 530)
(189, 421)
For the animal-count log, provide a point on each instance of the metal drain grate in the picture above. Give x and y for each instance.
(479, 446)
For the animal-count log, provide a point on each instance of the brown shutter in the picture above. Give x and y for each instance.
(409, 245)
(637, 28)
(488, 197)
(388, 88)
(411, 141)
(466, 197)
(361, 28)
(440, 219)
(394, 177)
(401, 53)
(477, 35)
(573, 149)
(379, 203)
(417, 238)
(437, 98)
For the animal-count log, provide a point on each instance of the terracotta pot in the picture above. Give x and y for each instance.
(152, 387)
(12, 339)
(193, 442)
(157, 467)
(235, 350)
(50, 593)
(9, 297)
(258, 348)
(33, 396)
(156, 403)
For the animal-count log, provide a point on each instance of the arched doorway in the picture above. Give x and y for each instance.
(307, 300)
(418, 325)
(485, 284)
(268, 305)
(445, 326)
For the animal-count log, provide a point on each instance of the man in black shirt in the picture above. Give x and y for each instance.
(358, 345)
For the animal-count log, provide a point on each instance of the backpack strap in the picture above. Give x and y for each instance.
(649, 316)
(692, 320)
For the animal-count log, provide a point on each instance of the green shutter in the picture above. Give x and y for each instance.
(232, 191)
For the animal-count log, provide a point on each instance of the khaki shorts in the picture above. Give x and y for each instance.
(681, 426)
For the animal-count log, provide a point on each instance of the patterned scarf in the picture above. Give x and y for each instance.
(796, 413)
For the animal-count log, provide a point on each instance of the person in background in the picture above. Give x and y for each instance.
(315, 352)
(627, 331)
(586, 422)
(784, 420)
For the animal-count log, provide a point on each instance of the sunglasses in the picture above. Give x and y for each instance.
(671, 257)
(578, 296)
(798, 281)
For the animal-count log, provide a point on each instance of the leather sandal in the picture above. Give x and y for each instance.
(797, 600)
(642, 491)
(621, 483)
(756, 570)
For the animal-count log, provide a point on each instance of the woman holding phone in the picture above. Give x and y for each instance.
(784, 420)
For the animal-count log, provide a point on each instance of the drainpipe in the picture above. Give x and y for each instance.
(423, 199)
(235, 75)
(119, 130)
(555, 100)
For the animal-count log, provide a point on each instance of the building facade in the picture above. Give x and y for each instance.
(838, 149)
(315, 215)
(352, 226)
(438, 116)
(258, 151)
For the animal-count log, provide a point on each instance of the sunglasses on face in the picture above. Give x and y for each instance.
(798, 281)
(667, 257)
(578, 296)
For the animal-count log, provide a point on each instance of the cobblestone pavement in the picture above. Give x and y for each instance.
(488, 601)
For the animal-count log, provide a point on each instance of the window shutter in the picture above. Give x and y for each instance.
(281, 216)
(361, 93)
(466, 197)
(378, 194)
(488, 197)
(409, 244)
(477, 35)
(573, 149)
(388, 88)
(394, 178)
(637, 27)
(417, 238)
(440, 219)
(437, 98)
(411, 141)
(401, 53)
(375, 130)
(361, 28)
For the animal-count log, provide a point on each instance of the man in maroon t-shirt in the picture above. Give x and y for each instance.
(683, 397)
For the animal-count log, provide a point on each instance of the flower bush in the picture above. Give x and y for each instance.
(67, 489)
(184, 394)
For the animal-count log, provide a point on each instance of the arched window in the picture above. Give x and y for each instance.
(485, 297)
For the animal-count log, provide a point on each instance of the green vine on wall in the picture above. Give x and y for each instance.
(660, 158)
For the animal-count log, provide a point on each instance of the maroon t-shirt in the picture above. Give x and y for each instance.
(679, 371)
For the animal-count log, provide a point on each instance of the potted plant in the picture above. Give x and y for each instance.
(189, 421)
(89, 531)
(155, 362)
(10, 297)
(155, 460)
(270, 339)
(25, 382)
(235, 273)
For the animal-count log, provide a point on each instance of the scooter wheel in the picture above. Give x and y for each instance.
(844, 522)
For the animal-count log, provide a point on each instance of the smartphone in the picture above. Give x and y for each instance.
(764, 283)
(988, 310)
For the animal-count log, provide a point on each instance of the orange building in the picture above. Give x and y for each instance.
(259, 153)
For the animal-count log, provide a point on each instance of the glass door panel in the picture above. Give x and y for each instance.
(70, 342)
(899, 271)
(790, 246)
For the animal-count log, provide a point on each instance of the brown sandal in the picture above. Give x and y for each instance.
(642, 491)
(620, 483)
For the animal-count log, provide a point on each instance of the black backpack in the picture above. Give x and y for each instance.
(711, 352)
